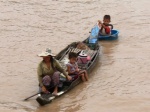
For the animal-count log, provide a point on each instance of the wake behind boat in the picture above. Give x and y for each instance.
(93, 51)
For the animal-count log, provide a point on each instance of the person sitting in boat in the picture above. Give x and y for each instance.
(105, 27)
(48, 72)
(73, 70)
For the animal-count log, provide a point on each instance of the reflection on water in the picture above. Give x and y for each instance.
(120, 80)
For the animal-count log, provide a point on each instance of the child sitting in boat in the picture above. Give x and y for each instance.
(105, 27)
(73, 70)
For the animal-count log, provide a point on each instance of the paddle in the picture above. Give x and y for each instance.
(40, 92)
(31, 96)
(35, 94)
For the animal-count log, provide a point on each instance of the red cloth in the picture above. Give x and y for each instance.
(107, 30)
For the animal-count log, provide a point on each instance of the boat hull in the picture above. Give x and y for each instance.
(94, 52)
(113, 36)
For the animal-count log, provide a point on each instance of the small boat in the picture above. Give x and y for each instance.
(95, 34)
(93, 51)
(113, 36)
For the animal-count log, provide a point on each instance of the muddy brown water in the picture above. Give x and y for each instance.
(120, 82)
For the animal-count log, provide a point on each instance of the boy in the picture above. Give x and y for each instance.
(105, 27)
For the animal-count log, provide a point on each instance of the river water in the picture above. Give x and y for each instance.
(120, 82)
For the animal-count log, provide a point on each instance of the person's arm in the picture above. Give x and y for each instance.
(60, 69)
(111, 26)
(99, 23)
(103, 25)
(108, 25)
(39, 73)
(68, 69)
(77, 68)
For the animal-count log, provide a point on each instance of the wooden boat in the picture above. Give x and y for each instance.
(113, 36)
(65, 86)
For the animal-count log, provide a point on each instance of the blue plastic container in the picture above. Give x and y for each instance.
(113, 36)
(94, 31)
(93, 40)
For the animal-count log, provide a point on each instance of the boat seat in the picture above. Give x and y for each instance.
(76, 50)
(65, 60)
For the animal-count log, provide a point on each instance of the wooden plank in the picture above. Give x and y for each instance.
(92, 55)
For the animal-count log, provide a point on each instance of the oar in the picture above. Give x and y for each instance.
(31, 96)
(36, 94)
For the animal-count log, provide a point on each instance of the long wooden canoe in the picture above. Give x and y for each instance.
(62, 56)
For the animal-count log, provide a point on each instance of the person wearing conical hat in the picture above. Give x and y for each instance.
(48, 72)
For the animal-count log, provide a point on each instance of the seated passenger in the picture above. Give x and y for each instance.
(105, 27)
(73, 70)
(48, 72)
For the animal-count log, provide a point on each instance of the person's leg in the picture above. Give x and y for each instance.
(46, 82)
(55, 91)
(86, 76)
(82, 77)
(55, 80)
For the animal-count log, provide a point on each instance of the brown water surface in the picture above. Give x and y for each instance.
(120, 82)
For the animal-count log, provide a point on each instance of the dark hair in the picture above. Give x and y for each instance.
(107, 17)
(73, 55)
